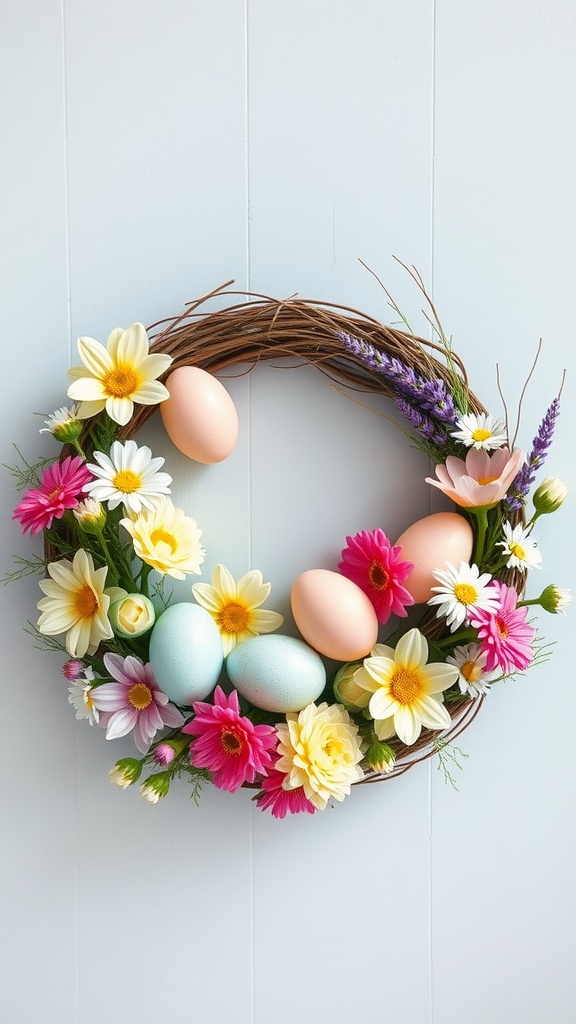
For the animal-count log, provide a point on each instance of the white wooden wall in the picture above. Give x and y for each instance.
(150, 151)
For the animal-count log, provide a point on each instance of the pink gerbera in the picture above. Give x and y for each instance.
(282, 801)
(505, 636)
(230, 746)
(62, 483)
(133, 702)
(374, 565)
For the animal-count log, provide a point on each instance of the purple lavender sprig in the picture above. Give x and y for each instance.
(427, 404)
(540, 447)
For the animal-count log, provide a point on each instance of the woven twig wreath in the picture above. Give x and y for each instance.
(429, 384)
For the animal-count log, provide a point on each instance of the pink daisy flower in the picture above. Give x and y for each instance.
(230, 746)
(282, 801)
(133, 702)
(374, 565)
(61, 485)
(505, 636)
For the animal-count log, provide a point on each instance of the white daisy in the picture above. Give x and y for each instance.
(523, 552)
(479, 431)
(64, 424)
(129, 475)
(462, 591)
(470, 661)
(80, 697)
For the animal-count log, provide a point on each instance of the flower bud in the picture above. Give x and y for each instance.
(90, 515)
(346, 688)
(64, 425)
(125, 772)
(155, 787)
(549, 495)
(380, 756)
(72, 669)
(132, 615)
(165, 752)
(555, 600)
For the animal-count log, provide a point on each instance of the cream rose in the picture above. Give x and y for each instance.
(132, 615)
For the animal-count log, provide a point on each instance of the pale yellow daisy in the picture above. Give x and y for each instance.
(115, 376)
(76, 604)
(235, 606)
(167, 539)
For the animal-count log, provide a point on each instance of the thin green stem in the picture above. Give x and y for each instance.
(482, 520)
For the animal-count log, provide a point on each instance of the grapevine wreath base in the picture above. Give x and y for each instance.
(443, 417)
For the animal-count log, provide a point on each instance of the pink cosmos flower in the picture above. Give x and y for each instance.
(61, 485)
(282, 801)
(230, 746)
(374, 565)
(482, 480)
(133, 702)
(505, 636)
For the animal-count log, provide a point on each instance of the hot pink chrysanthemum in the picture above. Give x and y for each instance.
(230, 746)
(374, 565)
(505, 636)
(133, 702)
(282, 801)
(62, 483)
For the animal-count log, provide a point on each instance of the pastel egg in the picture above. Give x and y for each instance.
(334, 615)
(186, 653)
(276, 673)
(199, 417)
(429, 544)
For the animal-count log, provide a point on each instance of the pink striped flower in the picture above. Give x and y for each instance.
(133, 702)
(374, 565)
(62, 483)
(229, 745)
(282, 801)
(505, 636)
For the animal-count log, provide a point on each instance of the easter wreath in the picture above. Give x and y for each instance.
(112, 537)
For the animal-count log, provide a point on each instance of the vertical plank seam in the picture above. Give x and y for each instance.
(432, 267)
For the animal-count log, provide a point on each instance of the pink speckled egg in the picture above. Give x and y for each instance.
(429, 544)
(333, 615)
(199, 417)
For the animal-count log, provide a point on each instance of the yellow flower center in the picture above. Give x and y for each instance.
(377, 576)
(465, 593)
(471, 671)
(334, 749)
(85, 602)
(481, 434)
(120, 382)
(405, 686)
(232, 618)
(88, 699)
(518, 551)
(231, 743)
(502, 628)
(165, 543)
(54, 494)
(127, 481)
(140, 696)
(486, 480)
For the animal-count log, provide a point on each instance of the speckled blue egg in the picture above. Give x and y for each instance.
(186, 653)
(276, 673)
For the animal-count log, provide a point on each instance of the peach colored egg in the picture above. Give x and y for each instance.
(199, 417)
(429, 544)
(333, 615)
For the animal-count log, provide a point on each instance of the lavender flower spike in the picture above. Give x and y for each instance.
(540, 447)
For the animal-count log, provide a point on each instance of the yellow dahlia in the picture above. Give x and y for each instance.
(235, 606)
(76, 604)
(167, 539)
(115, 376)
(320, 750)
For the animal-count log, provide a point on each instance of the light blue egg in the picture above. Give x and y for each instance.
(276, 673)
(186, 653)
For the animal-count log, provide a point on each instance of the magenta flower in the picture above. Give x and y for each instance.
(72, 669)
(282, 801)
(133, 702)
(505, 636)
(374, 565)
(230, 746)
(62, 483)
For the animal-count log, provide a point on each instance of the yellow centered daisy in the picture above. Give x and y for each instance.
(235, 606)
(480, 434)
(86, 602)
(471, 671)
(76, 604)
(127, 481)
(461, 592)
(140, 696)
(465, 593)
(518, 551)
(377, 576)
(168, 540)
(120, 382)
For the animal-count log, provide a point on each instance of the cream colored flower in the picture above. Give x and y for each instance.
(118, 375)
(76, 604)
(132, 615)
(408, 691)
(320, 750)
(235, 606)
(167, 540)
